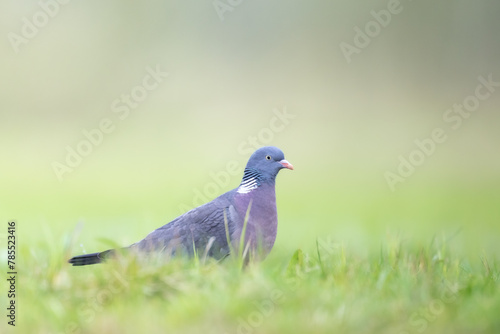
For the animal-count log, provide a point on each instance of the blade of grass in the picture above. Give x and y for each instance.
(243, 233)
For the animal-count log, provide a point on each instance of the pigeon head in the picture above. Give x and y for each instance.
(263, 166)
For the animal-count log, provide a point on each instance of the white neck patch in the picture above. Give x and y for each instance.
(248, 185)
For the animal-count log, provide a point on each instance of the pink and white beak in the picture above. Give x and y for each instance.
(286, 164)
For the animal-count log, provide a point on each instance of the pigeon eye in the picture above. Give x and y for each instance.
(268, 157)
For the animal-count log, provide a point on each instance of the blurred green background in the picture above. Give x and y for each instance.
(227, 79)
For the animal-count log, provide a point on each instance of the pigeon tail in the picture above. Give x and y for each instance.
(86, 259)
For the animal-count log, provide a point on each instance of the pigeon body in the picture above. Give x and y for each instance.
(206, 228)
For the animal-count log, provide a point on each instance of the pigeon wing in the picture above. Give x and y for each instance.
(202, 229)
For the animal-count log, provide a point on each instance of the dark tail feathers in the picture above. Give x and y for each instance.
(86, 259)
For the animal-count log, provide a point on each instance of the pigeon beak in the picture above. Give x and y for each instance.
(286, 164)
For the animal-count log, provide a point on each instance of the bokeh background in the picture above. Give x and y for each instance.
(228, 75)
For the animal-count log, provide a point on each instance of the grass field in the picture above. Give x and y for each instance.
(369, 277)
(406, 287)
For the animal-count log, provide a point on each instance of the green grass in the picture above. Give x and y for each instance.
(404, 287)
(424, 259)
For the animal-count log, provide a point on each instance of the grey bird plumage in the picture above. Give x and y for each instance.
(207, 227)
